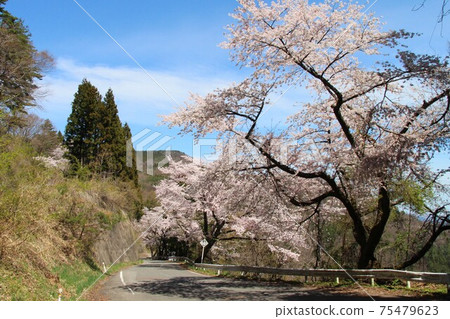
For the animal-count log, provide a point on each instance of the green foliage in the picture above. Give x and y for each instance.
(95, 138)
(413, 195)
(112, 153)
(77, 170)
(437, 259)
(21, 65)
(130, 171)
(82, 136)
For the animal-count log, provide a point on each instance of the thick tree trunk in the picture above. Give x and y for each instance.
(208, 247)
(211, 234)
(367, 252)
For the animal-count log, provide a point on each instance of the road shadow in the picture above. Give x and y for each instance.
(161, 264)
(214, 288)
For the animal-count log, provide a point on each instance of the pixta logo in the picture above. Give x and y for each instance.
(146, 143)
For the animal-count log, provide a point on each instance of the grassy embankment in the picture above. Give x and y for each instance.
(49, 223)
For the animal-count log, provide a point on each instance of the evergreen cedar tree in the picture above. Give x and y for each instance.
(94, 135)
(363, 141)
(130, 171)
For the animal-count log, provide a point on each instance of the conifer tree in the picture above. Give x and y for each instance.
(130, 170)
(129, 173)
(95, 137)
(83, 132)
(113, 142)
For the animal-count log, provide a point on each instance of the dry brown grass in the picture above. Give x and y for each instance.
(47, 219)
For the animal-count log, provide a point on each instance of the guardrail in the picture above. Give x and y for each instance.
(427, 277)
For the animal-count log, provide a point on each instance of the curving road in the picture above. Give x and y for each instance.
(162, 280)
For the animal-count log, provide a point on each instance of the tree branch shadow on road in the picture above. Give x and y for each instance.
(163, 264)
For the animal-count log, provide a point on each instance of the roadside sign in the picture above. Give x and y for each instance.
(204, 243)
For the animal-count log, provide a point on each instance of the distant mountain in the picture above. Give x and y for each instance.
(156, 159)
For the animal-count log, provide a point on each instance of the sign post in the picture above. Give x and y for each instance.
(204, 243)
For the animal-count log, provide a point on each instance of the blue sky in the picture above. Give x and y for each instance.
(175, 41)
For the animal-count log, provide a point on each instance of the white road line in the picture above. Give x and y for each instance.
(123, 282)
(121, 278)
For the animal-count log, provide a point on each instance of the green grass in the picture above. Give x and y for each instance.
(77, 277)
(29, 283)
(26, 285)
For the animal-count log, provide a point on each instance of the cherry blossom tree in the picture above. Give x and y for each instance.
(368, 129)
(56, 159)
(155, 229)
(195, 197)
(219, 203)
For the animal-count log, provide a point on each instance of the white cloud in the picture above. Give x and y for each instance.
(140, 100)
(138, 97)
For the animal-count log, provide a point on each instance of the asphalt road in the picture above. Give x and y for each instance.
(162, 280)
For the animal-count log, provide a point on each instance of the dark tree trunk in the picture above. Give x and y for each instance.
(211, 234)
(367, 256)
(319, 245)
(208, 247)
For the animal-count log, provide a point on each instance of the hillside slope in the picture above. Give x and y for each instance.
(49, 223)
